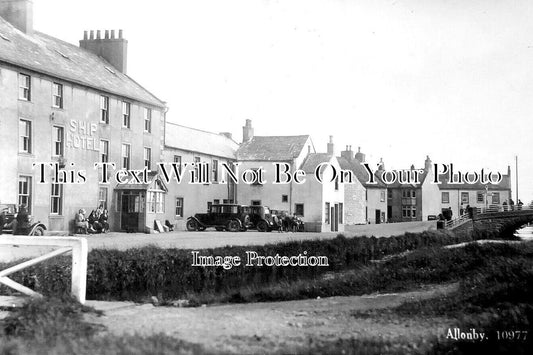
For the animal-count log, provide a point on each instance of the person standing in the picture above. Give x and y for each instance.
(23, 221)
(81, 221)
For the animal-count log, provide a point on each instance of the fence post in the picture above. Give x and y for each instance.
(79, 270)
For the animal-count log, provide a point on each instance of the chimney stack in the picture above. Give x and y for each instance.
(331, 146)
(427, 163)
(347, 154)
(381, 165)
(247, 131)
(114, 50)
(360, 156)
(19, 13)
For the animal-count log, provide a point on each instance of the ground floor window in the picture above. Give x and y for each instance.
(299, 209)
(341, 212)
(156, 201)
(102, 197)
(409, 211)
(56, 199)
(496, 197)
(179, 207)
(326, 213)
(256, 202)
(24, 193)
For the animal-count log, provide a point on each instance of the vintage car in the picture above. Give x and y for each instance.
(9, 214)
(262, 218)
(229, 217)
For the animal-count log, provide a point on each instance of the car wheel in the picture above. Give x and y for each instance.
(233, 226)
(262, 226)
(38, 232)
(192, 225)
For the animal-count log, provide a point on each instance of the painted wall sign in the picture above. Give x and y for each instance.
(82, 135)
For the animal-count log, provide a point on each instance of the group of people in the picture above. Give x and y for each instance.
(96, 222)
(287, 223)
(511, 205)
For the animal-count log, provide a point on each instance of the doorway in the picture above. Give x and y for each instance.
(378, 216)
(130, 210)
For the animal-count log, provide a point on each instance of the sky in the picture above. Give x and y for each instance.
(403, 80)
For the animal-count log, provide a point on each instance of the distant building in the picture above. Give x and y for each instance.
(414, 202)
(459, 196)
(262, 152)
(366, 202)
(355, 193)
(185, 145)
(323, 202)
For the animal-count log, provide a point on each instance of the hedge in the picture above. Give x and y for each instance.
(138, 273)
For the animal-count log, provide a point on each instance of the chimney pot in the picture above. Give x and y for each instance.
(113, 51)
(119, 34)
(85, 35)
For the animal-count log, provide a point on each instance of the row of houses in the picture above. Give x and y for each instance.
(75, 106)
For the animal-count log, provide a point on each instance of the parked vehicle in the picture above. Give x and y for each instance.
(9, 214)
(229, 217)
(262, 218)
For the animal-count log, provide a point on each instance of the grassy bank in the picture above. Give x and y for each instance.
(495, 293)
(57, 326)
(138, 274)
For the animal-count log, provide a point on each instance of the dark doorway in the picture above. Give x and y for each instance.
(378, 216)
(130, 210)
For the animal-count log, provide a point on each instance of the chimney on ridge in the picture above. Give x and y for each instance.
(360, 156)
(247, 131)
(427, 163)
(348, 153)
(331, 146)
(19, 13)
(114, 50)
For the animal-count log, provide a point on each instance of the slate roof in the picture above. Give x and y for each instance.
(48, 55)
(313, 160)
(360, 172)
(422, 177)
(195, 140)
(272, 148)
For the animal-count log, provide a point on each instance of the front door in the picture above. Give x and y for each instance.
(335, 218)
(130, 211)
(332, 214)
(378, 216)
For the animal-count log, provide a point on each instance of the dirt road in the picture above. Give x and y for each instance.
(273, 327)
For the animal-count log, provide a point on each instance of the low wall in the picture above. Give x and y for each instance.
(388, 229)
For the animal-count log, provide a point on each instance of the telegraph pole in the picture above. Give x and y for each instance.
(516, 173)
